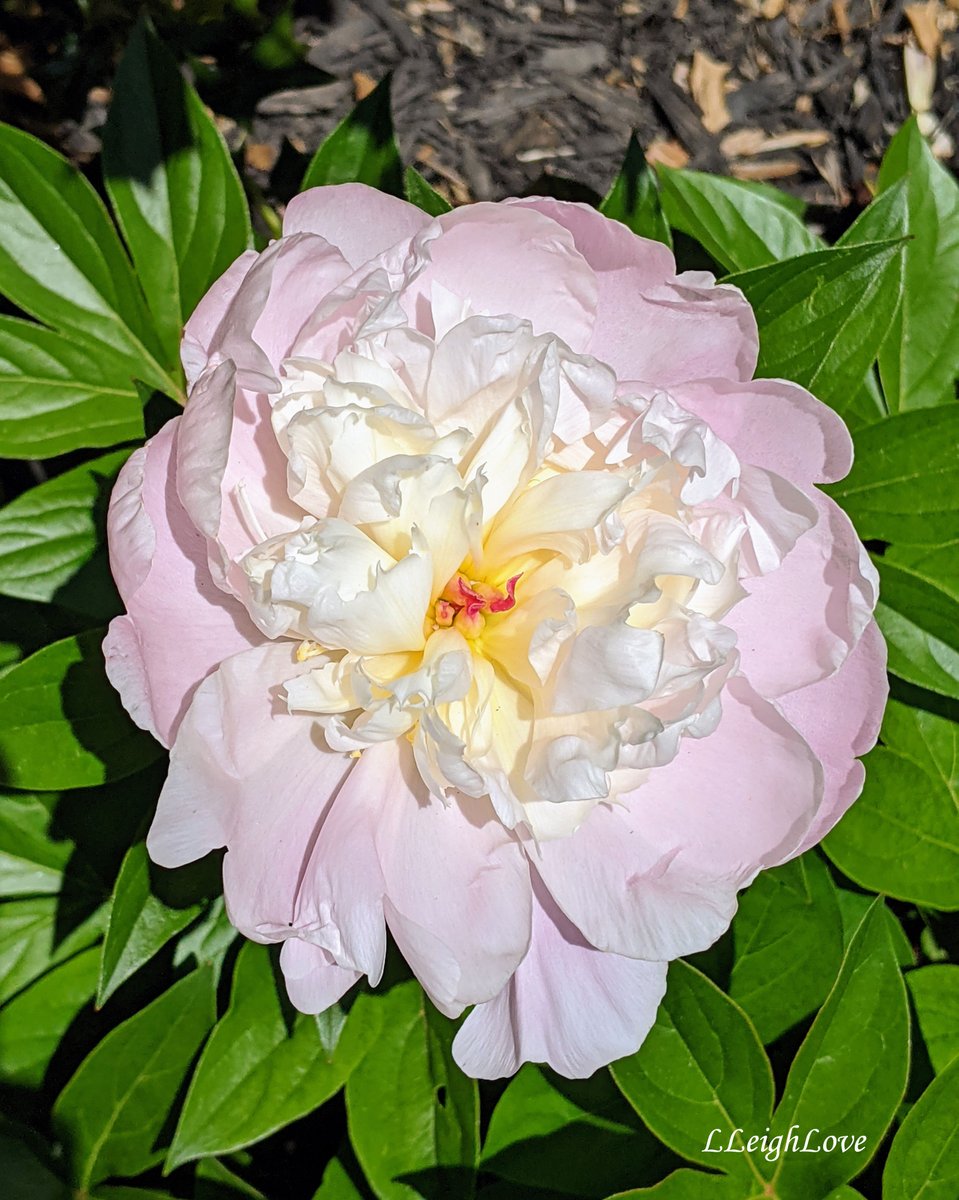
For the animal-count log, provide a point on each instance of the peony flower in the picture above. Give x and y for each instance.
(481, 596)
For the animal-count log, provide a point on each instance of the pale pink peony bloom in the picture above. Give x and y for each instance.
(482, 597)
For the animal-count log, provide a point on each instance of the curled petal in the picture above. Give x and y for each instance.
(159, 563)
(360, 221)
(567, 1005)
(655, 873)
(798, 623)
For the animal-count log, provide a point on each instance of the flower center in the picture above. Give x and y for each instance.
(465, 604)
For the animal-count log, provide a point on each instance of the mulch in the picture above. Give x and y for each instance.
(500, 97)
(491, 95)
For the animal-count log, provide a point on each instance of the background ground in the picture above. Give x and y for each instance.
(491, 95)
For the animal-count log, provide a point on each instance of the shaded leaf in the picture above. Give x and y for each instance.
(59, 392)
(787, 945)
(854, 905)
(923, 1162)
(177, 196)
(37, 934)
(935, 994)
(822, 316)
(634, 197)
(701, 1074)
(31, 862)
(919, 362)
(739, 227)
(904, 483)
(53, 540)
(413, 1115)
(849, 1075)
(62, 724)
(902, 836)
(419, 192)
(362, 148)
(576, 1137)
(33, 1023)
(112, 1111)
(61, 260)
(140, 924)
(255, 1074)
(695, 1185)
(920, 622)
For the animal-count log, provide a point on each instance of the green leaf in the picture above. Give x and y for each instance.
(214, 1181)
(822, 316)
(739, 227)
(853, 907)
(634, 197)
(935, 994)
(904, 484)
(37, 934)
(787, 945)
(919, 361)
(62, 724)
(419, 192)
(920, 622)
(31, 862)
(849, 1075)
(901, 836)
(177, 196)
(923, 1160)
(112, 1112)
(33, 1023)
(576, 1137)
(694, 1185)
(362, 148)
(257, 1075)
(140, 923)
(209, 939)
(701, 1076)
(59, 393)
(53, 540)
(413, 1115)
(61, 260)
(25, 1175)
(337, 1184)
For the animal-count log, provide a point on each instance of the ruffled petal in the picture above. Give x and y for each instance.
(840, 717)
(458, 895)
(178, 626)
(655, 874)
(774, 424)
(798, 623)
(248, 775)
(497, 260)
(567, 1005)
(360, 221)
(685, 329)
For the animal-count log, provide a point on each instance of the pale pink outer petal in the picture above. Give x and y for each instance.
(458, 894)
(608, 246)
(339, 906)
(313, 980)
(248, 775)
(505, 260)
(840, 717)
(655, 874)
(232, 474)
(204, 322)
(178, 626)
(798, 623)
(685, 328)
(359, 221)
(567, 1005)
(775, 424)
